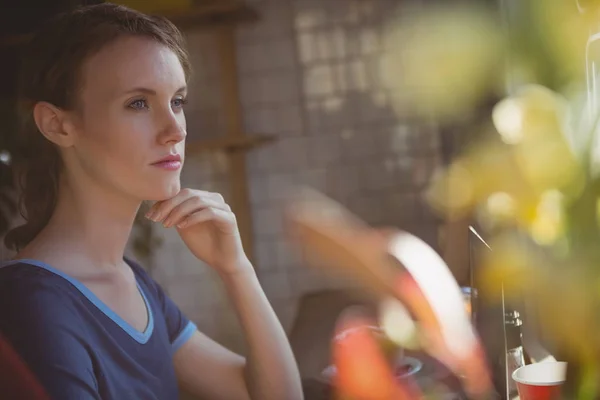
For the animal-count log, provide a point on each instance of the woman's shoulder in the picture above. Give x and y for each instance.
(38, 305)
(20, 273)
(31, 289)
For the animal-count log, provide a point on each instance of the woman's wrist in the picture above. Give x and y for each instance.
(238, 271)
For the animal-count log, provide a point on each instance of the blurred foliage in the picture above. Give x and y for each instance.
(531, 179)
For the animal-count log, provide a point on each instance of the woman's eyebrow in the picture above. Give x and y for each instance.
(151, 91)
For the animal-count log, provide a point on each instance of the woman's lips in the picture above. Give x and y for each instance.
(170, 165)
(171, 162)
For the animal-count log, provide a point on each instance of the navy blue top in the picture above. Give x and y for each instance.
(77, 347)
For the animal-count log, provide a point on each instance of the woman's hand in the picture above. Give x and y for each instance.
(207, 226)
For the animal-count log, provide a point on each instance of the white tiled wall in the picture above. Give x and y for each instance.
(308, 74)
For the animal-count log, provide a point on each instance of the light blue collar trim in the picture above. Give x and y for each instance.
(141, 337)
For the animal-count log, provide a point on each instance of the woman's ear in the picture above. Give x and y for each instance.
(52, 123)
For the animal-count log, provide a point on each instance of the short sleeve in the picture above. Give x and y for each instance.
(44, 329)
(179, 327)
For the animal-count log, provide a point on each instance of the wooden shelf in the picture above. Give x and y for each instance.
(212, 13)
(206, 14)
(229, 144)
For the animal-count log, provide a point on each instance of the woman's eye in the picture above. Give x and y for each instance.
(138, 104)
(179, 102)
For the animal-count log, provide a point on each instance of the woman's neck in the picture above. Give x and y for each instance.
(89, 224)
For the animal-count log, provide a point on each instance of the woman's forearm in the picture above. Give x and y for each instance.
(271, 370)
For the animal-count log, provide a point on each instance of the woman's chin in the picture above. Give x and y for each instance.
(165, 192)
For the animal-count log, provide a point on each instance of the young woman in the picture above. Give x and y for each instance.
(104, 88)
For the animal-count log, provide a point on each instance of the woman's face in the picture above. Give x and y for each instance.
(130, 117)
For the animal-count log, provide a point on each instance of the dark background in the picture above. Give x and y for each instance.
(17, 19)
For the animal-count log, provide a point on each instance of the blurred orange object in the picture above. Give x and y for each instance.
(471, 365)
(397, 264)
(363, 372)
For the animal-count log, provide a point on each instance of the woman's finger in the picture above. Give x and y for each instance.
(218, 197)
(161, 209)
(221, 217)
(190, 206)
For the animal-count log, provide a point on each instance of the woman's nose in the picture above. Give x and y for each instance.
(173, 130)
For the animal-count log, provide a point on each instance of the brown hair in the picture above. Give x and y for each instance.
(52, 63)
